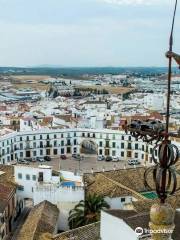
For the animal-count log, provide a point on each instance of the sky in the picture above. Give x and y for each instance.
(87, 33)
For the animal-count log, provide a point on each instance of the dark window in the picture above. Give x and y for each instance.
(20, 139)
(123, 199)
(55, 151)
(100, 144)
(136, 146)
(40, 136)
(136, 155)
(114, 145)
(55, 136)
(27, 177)
(122, 137)
(20, 175)
(122, 145)
(129, 138)
(122, 154)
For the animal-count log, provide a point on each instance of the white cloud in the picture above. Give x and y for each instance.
(135, 2)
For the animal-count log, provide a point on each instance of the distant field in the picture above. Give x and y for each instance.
(30, 77)
(110, 89)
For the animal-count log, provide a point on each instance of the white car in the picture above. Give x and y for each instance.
(133, 162)
(115, 159)
(101, 158)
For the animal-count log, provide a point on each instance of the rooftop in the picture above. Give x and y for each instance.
(42, 219)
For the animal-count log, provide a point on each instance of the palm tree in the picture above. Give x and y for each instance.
(87, 211)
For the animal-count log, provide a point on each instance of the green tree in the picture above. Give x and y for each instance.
(87, 211)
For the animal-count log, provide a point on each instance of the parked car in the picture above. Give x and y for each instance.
(76, 156)
(108, 159)
(115, 159)
(40, 159)
(28, 159)
(63, 157)
(47, 158)
(133, 162)
(22, 161)
(100, 158)
(34, 159)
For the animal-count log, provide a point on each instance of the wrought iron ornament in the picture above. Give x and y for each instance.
(164, 173)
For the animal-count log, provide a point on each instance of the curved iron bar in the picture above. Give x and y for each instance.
(164, 175)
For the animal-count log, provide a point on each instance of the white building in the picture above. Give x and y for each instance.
(56, 142)
(41, 183)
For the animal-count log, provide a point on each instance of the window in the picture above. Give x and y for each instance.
(40, 136)
(68, 142)
(55, 143)
(34, 145)
(100, 151)
(100, 144)
(20, 188)
(122, 138)
(41, 152)
(34, 137)
(20, 139)
(142, 147)
(136, 146)
(129, 145)
(34, 177)
(151, 150)
(62, 135)
(48, 136)
(27, 177)
(19, 175)
(83, 134)
(55, 151)
(75, 142)
(122, 154)
(74, 134)
(129, 138)
(62, 143)
(114, 136)
(88, 135)
(122, 145)
(21, 154)
(142, 156)
(123, 200)
(62, 150)
(129, 154)
(114, 145)
(34, 153)
(114, 153)
(55, 136)
(27, 138)
(136, 155)
(94, 135)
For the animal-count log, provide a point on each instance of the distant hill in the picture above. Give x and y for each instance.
(79, 71)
